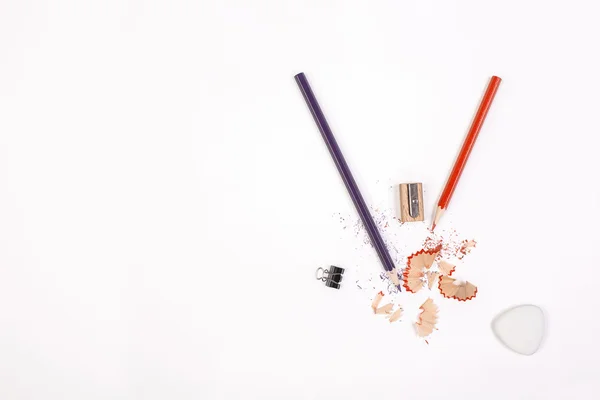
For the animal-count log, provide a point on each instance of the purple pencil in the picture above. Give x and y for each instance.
(346, 175)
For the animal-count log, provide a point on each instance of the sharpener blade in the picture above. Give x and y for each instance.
(413, 200)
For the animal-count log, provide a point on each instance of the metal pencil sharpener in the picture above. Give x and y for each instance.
(411, 202)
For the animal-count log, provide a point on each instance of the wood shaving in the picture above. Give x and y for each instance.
(431, 278)
(445, 267)
(453, 289)
(396, 315)
(429, 258)
(385, 309)
(376, 301)
(427, 319)
(414, 272)
(413, 280)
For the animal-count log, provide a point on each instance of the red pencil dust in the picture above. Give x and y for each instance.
(465, 151)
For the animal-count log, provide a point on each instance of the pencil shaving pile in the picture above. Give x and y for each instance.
(424, 269)
(429, 270)
(419, 272)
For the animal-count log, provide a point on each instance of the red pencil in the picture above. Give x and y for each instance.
(463, 156)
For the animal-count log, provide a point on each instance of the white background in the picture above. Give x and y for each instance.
(165, 196)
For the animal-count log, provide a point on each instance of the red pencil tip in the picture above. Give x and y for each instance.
(432, 227)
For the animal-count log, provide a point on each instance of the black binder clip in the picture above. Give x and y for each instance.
(332, 276)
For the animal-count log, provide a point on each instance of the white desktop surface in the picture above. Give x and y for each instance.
(165, 196)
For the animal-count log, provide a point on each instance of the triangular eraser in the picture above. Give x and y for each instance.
(521, 328)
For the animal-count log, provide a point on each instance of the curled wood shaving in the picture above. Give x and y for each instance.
(427, 319)
(453, 289)
(414, 272)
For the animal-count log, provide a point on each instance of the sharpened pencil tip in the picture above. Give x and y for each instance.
(432, 227)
